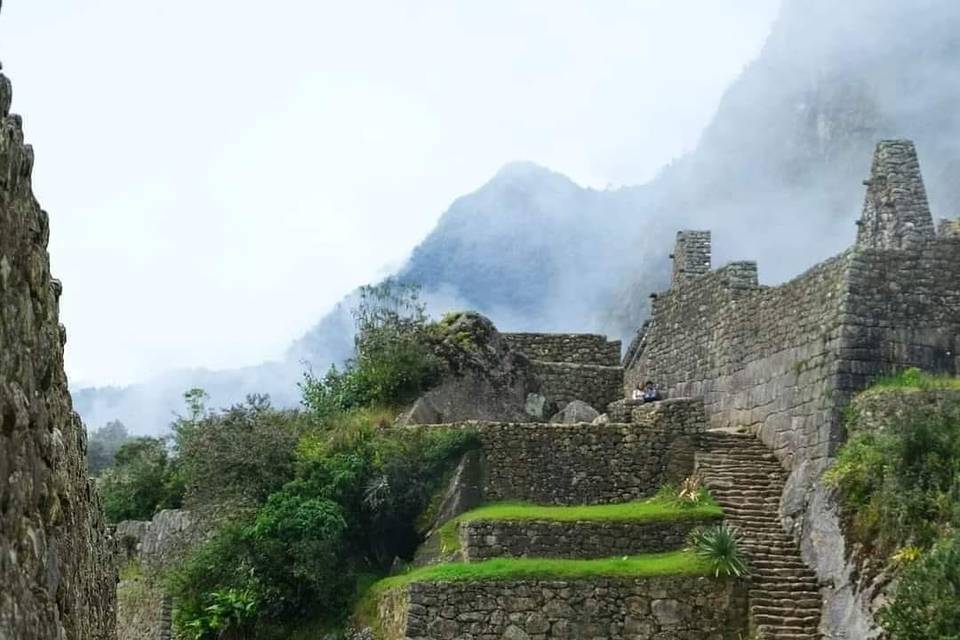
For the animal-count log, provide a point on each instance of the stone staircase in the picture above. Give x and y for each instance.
(747, 481)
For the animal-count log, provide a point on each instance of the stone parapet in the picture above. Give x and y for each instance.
(577, 348)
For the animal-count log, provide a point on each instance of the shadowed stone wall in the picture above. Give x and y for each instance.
(57, 575)
(682, 608)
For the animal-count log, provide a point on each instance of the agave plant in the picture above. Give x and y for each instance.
(719, 545)
(691, 491)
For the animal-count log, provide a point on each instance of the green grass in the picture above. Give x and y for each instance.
(657, 509)
(652, 565)
(915, 380)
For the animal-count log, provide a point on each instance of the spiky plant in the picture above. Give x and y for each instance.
(719, 545)
(691, 491)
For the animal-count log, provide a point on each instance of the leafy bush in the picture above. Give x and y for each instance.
(899, 484)
(238, 456)
(927, 600)
(719, 545)
(141, 482)
(899, 489)
(393, 362)
(229, 610)
(350, 510)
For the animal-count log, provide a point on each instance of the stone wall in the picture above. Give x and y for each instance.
(57, 574)
(680, 608)
(144, 611)
(596, 385)
(483, 539)
(691, 256)
(589, 464)
(578, 348)
(785, 361)
(896, 214)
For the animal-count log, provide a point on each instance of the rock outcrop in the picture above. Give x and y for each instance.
(56, 570)
(483, 378)
(576, 411)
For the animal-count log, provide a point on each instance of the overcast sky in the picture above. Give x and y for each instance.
(219, 173)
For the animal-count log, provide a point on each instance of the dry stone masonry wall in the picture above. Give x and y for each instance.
(679, 608)
(57, 576)
(588, 463)
(896, 214)
(563, 383)
(484, 539)
(577, 348)
(691, 256)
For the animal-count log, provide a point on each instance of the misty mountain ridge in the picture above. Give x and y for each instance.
(777, 176)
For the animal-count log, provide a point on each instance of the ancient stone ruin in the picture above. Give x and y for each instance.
(57, 578)
(755, 379)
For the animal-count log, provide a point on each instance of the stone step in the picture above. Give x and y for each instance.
(747, 481)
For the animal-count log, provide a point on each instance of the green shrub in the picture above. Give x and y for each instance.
(898, 482)
(393, 362)
(719, 545)
(141, 482)
(350, 510)
(238, 456)
(229, 611)
(926, 603)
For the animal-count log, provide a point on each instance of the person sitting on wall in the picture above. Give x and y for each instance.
(638, 393)
(650, 392)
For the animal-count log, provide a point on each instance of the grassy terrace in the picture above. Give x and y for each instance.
(673, 563)
(915, 380)
(652, 510)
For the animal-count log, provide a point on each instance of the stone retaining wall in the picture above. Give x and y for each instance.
(678, 608)
(483, 539)
(598, 386)
(570, 464)
(579, 348)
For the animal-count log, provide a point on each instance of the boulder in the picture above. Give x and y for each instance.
(463, 493)
(482, 377)
(576, 411)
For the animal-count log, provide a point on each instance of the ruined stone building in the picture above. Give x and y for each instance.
(57, 581)
(783, 362)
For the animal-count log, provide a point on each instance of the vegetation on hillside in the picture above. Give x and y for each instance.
(142, 480)
(307, 504)
(899, 486)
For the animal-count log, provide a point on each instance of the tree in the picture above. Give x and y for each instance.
(392, 362)
(139, 483)
(103, 445)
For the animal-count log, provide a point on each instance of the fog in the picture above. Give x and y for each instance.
(214, 200)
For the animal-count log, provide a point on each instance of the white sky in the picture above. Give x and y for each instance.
(218, 173)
